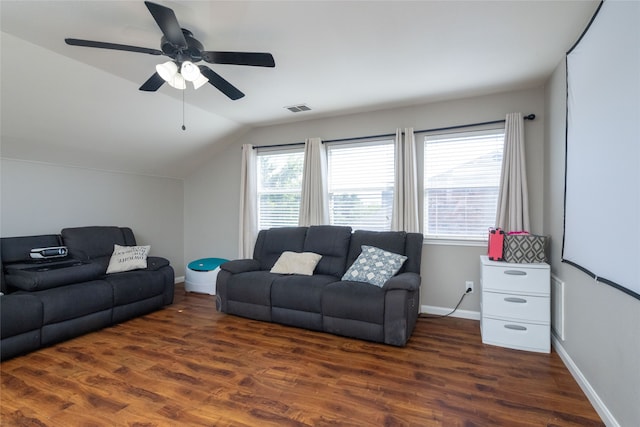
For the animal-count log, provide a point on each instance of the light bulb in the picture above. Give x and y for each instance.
(178, 82)
(189, 71)
(199, 81)
(167, 70)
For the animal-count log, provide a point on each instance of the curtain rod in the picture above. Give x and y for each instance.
(385, 135)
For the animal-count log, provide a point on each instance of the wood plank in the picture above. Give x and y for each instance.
(189, 365)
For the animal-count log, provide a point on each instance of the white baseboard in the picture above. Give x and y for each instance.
(178, 279)
(598, 404)
(441, 311)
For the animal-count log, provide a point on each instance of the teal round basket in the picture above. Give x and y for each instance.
(202, 274)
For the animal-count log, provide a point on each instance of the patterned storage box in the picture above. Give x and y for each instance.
(525, 248)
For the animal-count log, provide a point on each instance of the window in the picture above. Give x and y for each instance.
(461, 183)
(360, 184)
(279, 187)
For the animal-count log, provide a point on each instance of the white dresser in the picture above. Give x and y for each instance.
(515, 305)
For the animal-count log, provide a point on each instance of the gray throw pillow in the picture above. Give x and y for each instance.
(374, 266)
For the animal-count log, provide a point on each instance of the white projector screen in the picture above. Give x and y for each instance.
(602, 183)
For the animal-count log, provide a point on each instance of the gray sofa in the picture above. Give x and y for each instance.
(322, 301)
(51, 300)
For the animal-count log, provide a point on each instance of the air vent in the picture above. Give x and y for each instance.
(298, 108)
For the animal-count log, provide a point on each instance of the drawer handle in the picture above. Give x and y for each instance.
(515, 327)
(515, 272)
(516, 300)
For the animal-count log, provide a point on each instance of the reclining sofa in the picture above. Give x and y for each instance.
(50, 300)
(323, 301)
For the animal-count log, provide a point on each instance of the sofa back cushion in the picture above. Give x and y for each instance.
(96, 241)
(399, 242)
(272, 242)
(17, 249)
(332, 242)
(413, 251)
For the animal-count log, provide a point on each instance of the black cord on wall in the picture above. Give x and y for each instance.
(432, 316)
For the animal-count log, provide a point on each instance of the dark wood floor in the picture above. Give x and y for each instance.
(188, 365)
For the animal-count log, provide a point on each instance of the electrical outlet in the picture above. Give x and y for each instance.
(468, 285)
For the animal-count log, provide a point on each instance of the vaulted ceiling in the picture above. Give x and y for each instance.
(81, 107)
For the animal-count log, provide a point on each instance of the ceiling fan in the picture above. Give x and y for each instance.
(185, 51)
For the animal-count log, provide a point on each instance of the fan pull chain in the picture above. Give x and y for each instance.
(183, 126)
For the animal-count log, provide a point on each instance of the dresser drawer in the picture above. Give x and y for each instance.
(518, 335)
(512, 278)
(516, 307)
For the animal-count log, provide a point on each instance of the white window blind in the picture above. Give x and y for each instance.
(279, 187)
(361, 184)
(461, 182)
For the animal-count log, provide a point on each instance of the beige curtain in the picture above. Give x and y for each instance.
(248, 200)
(513, 198)
(404, 216)
(314, 206)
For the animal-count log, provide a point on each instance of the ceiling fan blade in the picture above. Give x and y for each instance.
(220, 83)
(153, 84)
(168, 23)
(256, 59)
(114, 46)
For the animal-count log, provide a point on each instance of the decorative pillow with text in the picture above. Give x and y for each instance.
(126, 258)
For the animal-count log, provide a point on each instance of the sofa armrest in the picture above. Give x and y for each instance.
(156, 263)
(240, 266)
(406, 281)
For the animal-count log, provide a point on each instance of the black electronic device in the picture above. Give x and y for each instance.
(50, 252)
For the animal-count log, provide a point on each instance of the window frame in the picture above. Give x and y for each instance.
(281, 150)
(420, 138)
(376, 141)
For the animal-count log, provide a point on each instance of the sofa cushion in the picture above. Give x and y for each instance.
(17, 249)
(300, 293)
(36, 277)
(374, 266)
(127, 258)
(68, 302)
(271, 243)
(413, 250)
(391, 241)
(95, 241)
(132, 286)
(296, 263)
(19, 313)
(332, 242)
(253, 287)
(354, 300)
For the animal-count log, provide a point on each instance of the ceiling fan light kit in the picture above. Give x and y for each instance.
(189, 72)
(185, 51)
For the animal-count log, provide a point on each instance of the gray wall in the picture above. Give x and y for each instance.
(39, 198)
(602, 324)
(211, 193)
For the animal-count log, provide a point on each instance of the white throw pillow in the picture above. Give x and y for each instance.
(296, 263)
(126, 258)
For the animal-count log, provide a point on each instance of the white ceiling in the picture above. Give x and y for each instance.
(82, 107)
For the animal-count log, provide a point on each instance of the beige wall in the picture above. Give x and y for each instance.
(39, 198)
(211, 193)
(602, 324)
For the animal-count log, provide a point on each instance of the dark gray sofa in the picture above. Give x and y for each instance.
(52, 300)
(324, 302)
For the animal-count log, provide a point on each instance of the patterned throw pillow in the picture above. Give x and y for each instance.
(374, 266)
(126, 258)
